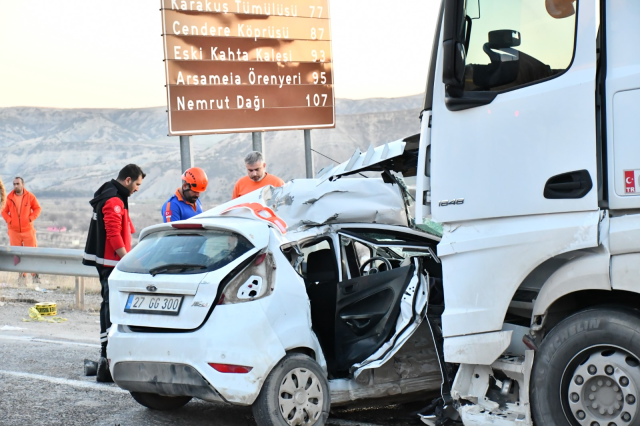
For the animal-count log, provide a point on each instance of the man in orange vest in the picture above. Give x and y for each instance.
(257, 176)
(20, 211)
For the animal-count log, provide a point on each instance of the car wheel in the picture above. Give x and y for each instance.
(160, 402)
(296, 392)
(587, 370)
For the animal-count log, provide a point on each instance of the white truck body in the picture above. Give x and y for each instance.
(537, 184)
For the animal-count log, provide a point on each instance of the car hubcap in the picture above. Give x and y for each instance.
(603, 390)
(300, 397)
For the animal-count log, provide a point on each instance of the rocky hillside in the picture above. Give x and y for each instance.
(68, 153)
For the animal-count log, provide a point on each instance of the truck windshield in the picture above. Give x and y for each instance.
(512, 43)
(184, 252)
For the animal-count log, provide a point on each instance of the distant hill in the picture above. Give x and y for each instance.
(69, 152)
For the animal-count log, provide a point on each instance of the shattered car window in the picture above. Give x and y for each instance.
(197, 252)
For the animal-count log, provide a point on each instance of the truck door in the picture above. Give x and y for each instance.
(513, 126)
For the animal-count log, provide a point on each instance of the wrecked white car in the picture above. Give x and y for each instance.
(288, 299)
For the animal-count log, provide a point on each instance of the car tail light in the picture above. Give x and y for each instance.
(230, 368)
(254, 282)
(187, 226)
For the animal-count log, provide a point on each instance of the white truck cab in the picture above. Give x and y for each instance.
(529, 157)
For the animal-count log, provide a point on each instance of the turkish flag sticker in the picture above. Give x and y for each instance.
(629, 181)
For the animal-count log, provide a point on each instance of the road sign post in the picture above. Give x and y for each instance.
(186, 157)
(257, 142)
(308, 154)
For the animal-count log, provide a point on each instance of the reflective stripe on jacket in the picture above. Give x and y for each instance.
(110, 227)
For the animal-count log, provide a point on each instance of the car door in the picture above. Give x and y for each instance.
(366, 310)
(368, 306)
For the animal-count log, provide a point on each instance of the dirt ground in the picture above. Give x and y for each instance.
(17, 296)
(50, 288)
(82, 326)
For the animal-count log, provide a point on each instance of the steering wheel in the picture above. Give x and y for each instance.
(375, 270)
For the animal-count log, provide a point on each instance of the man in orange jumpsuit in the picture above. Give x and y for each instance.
(257, 176)
(20, 211)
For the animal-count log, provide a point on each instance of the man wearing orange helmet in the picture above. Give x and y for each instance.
(185, 203)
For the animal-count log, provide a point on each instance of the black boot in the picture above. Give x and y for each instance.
(103, 374)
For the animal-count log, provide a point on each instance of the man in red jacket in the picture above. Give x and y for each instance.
(109, 241)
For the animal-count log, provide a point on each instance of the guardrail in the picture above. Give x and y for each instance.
(50, 261)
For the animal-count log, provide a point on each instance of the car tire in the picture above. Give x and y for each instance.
(160, 402)
(295, 392)
(587, 370)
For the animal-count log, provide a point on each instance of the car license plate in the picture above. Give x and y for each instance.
(159, 304)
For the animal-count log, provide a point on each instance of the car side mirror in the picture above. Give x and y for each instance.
(454, 54)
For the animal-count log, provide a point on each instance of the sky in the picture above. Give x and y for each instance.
(108, 54)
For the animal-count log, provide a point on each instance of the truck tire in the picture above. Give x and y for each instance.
(587, 370)
(296, 392)
(160, 402)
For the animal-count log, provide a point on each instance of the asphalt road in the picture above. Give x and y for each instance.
(42, 383)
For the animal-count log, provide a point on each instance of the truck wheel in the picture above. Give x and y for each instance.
(587, 370)
(296, 392)
(160, 402)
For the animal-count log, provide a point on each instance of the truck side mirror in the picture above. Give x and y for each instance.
(454, 54)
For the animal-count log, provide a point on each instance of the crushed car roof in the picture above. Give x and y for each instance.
(304, 203)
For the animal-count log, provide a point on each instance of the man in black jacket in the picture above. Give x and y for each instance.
(109, 240)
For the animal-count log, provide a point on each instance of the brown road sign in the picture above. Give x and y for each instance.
(247, 65)
(295, 8)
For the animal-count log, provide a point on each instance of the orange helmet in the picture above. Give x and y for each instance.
(196, 178)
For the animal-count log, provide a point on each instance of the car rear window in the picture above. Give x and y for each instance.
(184, 252)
